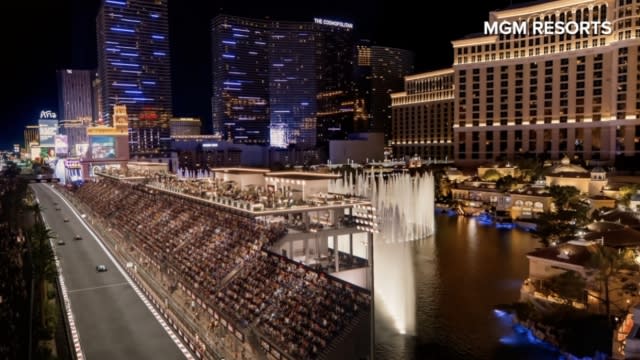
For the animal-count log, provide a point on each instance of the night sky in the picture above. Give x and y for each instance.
(40, 36)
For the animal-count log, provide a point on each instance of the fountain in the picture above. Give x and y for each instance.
(405, 210)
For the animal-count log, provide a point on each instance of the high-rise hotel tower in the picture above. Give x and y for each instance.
(422, 116)
(74, 95)
(281, 83)
(134, 68)
(523, 89)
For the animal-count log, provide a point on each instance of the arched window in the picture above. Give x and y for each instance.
(603, 12)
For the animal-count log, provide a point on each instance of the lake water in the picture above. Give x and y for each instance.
(461, 273)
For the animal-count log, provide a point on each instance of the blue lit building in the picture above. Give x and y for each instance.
(274, 80)
(240, 100)
(134, 69)
(292, 84)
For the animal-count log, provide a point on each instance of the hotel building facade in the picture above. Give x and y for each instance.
(281, 83)
(74, 95)
(551, 94)
(134, 69)
(380, 71)
(422, 116)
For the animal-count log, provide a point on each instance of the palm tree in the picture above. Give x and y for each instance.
(570, 213)
(607, 261)
(43, 268)
(41, 252)
(35, 207)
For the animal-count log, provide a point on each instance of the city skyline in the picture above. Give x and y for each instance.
(62, 36)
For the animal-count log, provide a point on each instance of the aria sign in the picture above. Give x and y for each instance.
(47, 114)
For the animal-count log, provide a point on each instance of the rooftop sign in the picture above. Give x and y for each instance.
(328, 22)
(47, 114)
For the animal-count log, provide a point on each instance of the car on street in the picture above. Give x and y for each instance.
(57, 209)
(61, 242)
(101, 268)
(66, 219)
(77, 237)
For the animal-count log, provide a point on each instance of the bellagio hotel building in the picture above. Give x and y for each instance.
(552, 94)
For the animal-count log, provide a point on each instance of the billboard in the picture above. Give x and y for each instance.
(103, 147)
(62, 146)
(35, 153)
(47, 153)
(81, 149)
(48, 130)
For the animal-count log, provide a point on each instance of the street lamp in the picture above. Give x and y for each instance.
(366, 220)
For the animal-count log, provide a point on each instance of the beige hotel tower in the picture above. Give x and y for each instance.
(551, 94)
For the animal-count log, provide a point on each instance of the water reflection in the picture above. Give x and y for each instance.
(461, 274)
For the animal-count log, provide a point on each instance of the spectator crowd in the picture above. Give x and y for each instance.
(222, 257)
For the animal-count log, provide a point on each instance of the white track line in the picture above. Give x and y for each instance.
(144, 299)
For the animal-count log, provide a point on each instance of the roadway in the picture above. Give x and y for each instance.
(112, 320)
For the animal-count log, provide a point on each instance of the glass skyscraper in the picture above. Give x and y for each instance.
(380, 71)
(241, 79)
(74, 95)
(292, 84)
(134, 68)
(273, 81)
(335, 49)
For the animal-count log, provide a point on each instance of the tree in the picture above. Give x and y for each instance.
(570, 286)
(530, 168)
(11, 202)
(505, 183)
(37, 211)
(491, 175)
(442, 184)
(555, 228)
(606, 261)
(39, 238)
(570, 214)
(43, 270)
(626, 192)
(12, 170)
(563, 196)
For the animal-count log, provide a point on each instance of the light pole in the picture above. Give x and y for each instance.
(366, 220)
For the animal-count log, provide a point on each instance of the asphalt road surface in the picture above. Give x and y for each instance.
(112, 321)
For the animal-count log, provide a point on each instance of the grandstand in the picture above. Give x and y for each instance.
(222, 257)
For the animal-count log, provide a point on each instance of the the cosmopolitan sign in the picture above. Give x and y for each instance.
(328, 22)
(548, 28)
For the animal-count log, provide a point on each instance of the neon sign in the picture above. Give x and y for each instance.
(328, 22)
(47, 114)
